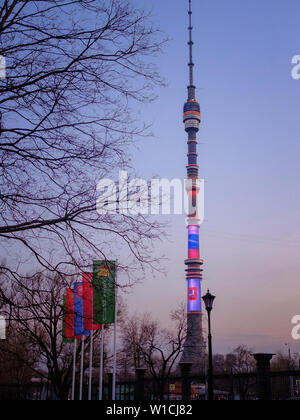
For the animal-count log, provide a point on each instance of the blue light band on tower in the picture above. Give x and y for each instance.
(194, 295)
(193, 242)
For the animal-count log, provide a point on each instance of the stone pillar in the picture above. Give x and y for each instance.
(263, 375)
(185, 380)
(139, 390)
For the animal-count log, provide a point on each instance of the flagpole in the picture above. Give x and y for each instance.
(91, 366)
(81, 367)
(115, 347)
(74, 369)
(101, 364)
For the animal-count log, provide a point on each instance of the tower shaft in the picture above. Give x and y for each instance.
(194, 345)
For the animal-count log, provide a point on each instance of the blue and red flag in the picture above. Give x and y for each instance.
(78, 311)
(68, 317)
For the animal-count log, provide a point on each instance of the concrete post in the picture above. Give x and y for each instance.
(263, 375)
(185, 380)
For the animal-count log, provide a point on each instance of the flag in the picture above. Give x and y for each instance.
(68, 317)
(104, 292)
(78, 310)
(87, 281)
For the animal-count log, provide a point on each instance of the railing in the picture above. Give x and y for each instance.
(284, 385)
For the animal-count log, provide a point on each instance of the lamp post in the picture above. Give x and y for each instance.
(209, 300)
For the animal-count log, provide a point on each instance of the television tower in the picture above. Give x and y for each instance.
(194, 348)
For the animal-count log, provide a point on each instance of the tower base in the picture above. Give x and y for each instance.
(194, 350)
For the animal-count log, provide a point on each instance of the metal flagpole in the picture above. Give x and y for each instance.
(74, 369)
(81, 367)
(91, 365)
(101, 364)
(115, 346)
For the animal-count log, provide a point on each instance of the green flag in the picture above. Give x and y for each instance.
(104, 292)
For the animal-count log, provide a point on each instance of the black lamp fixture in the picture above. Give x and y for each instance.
(209, 300)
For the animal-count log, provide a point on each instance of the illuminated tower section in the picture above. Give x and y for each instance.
(194, 346)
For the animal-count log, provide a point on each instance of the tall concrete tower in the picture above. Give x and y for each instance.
(194, 348)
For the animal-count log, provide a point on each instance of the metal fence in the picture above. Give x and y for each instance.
(228, 386)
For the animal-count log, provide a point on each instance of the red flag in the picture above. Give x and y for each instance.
(69, 320)
(88, 324)
(69, 326)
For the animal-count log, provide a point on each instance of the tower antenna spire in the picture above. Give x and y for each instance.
(191, 87)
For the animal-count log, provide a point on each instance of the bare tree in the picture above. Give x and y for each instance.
(76, 70)
(147, 344)
(16, 360)
(243, 363)
(35, 344)
(283, 362)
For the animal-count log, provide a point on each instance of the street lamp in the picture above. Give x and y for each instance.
(209, 300)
